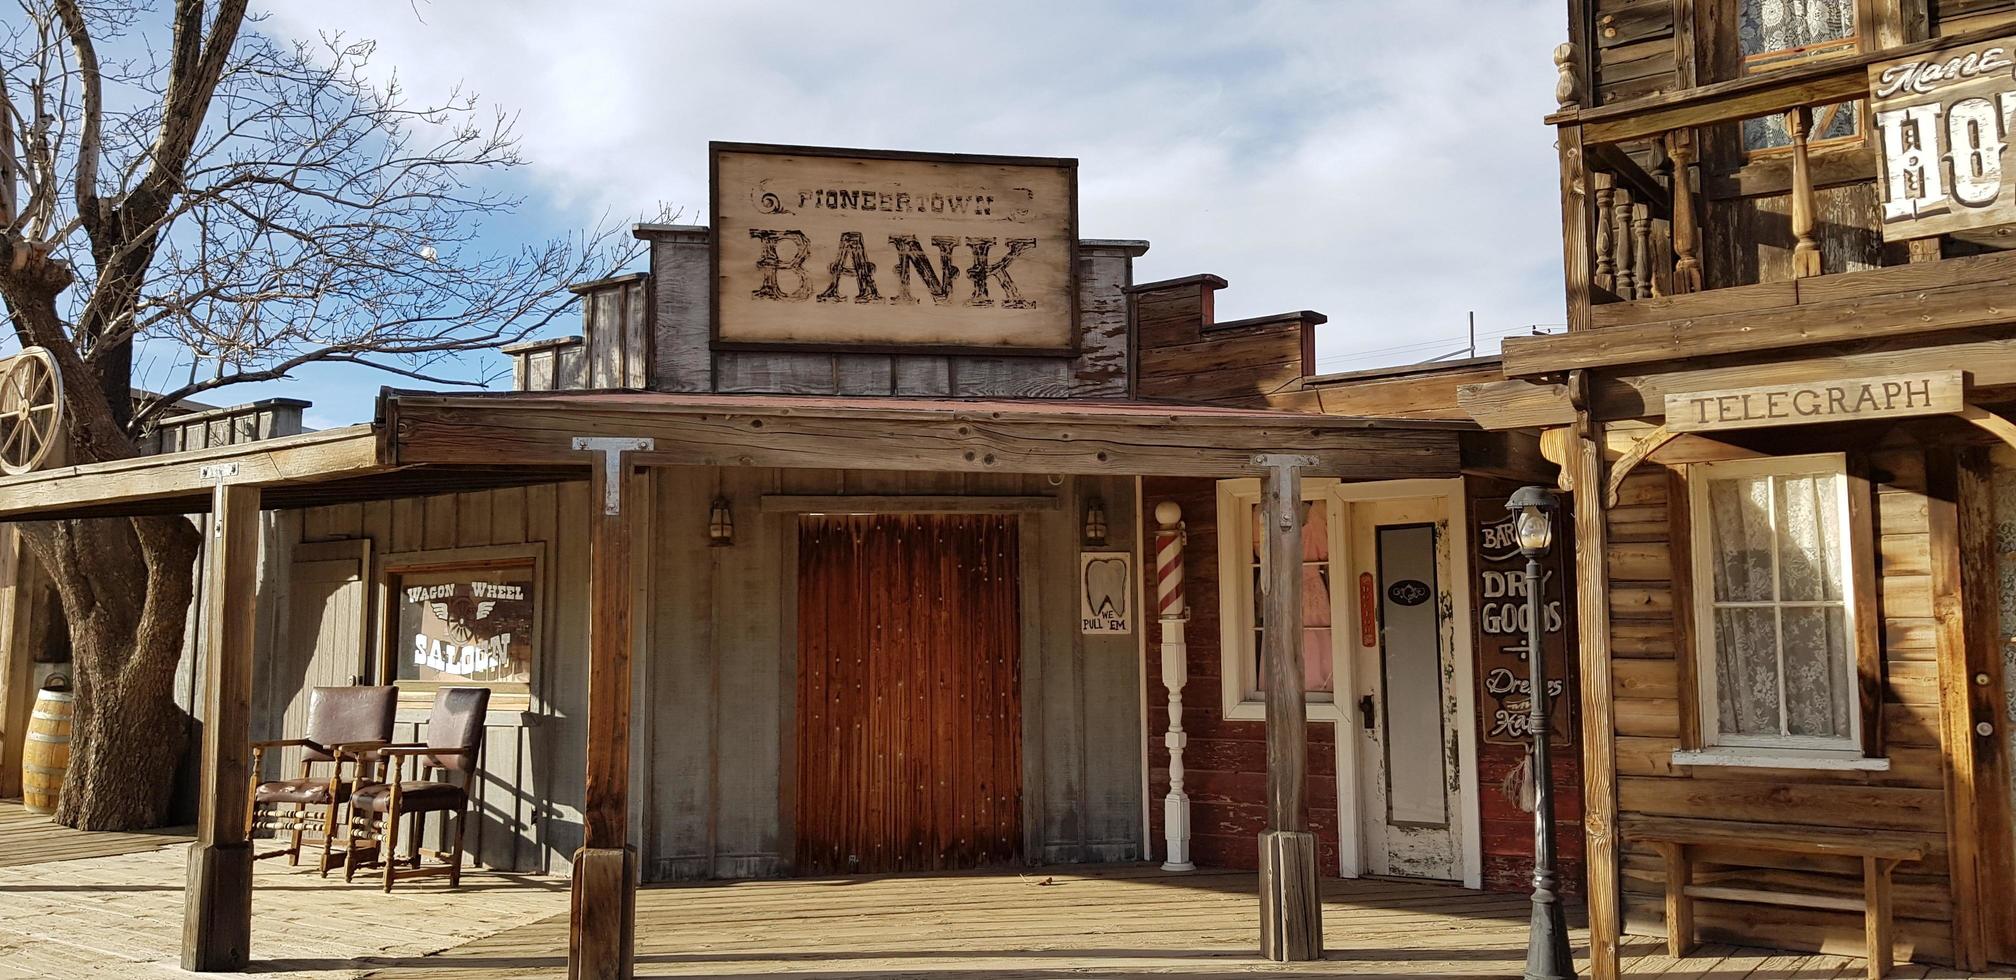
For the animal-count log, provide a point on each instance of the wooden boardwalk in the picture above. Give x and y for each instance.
(1103, 923)
(91, 906)
(32, 838)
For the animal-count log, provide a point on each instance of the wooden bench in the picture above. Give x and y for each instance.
(1879, 851)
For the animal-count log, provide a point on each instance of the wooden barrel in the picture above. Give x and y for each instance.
(47, 753)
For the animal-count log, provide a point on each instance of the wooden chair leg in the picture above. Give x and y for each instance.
(418, 843)
(455, 852)
(1876, 914)
(389, 845)
(1679, 906)
(294, 838)
(328, 838)
(363, 830)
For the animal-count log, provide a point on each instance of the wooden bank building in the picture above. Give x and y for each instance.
(1783, 407)
(886, 525)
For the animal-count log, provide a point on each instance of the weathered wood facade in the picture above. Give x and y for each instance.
(1739, 275)
(709, 685)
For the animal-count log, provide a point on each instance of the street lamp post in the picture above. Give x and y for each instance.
(1547, 955)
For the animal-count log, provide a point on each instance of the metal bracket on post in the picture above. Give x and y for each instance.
(612, 449)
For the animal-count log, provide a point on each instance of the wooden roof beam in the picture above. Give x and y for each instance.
(1080, 440)
(309, 458)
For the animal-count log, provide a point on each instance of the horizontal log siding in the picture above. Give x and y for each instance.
(1647, 724)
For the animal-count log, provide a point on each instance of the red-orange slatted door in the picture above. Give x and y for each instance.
(909, 703)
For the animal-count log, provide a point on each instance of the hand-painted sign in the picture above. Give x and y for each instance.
(1368, 611)
(866, 250)
(1105, 592)
(470, 625)
(1799, 403)
(1502, 618)
(1942, 127)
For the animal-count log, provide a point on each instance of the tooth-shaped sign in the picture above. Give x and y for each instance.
(1105, 582)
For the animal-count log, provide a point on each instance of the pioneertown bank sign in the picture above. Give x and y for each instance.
(864, 250)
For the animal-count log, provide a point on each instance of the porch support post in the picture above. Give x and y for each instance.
(217, 903)
(1169, 539)
(1291, 908)
(602, 925)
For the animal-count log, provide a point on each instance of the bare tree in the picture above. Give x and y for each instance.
(175, 177)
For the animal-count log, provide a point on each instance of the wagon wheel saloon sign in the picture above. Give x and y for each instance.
(865, 250)
(1943, 124)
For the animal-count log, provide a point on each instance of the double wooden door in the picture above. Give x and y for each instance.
(909, 709)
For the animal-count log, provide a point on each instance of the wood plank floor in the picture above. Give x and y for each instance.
(1102, 922)
(32, 838)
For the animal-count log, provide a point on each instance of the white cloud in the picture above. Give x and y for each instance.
(1382, 162)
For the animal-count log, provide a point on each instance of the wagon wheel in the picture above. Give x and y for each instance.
(31, 410)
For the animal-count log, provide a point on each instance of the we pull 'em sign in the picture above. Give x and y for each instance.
(1943, 124)
(871, 250)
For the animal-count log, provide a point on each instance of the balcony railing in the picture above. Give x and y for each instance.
(1631, 212)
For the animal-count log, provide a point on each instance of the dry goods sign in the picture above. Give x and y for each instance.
(1942, 126)
(1503, 614)
(864, 250)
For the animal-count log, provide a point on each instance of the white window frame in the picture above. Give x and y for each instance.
(1241, 695)
(1790, 751)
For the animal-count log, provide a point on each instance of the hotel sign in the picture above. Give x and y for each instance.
(1852, 399)
(1942, 129)
(860, 250)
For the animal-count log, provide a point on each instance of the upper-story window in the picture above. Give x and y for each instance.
(1775, 34)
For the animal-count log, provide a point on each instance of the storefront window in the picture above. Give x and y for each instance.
(1318, 666)
(1777, 657)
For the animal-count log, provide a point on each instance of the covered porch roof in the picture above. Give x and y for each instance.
(430, 442)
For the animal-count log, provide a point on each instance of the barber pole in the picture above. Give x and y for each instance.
(1169, 606)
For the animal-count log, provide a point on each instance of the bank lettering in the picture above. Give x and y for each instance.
(1942, 126)
(837, 249)
(1831, 401)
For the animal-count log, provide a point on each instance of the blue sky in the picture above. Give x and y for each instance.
(1381, 162)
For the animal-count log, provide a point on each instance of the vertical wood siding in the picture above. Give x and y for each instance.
(909, 694)
(716, 720)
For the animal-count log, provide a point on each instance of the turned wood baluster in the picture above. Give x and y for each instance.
(1806, 254)
(1641, 248)
(1686, 264)
(1619, 219)
(1605, 276)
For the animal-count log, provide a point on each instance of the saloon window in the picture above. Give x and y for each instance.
(1774, 586)
(461, 618)
(1777, 34)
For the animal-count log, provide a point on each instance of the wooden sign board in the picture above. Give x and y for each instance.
(1807, 402)
(862, 250)
(1504, 660)
(1942, 134)
(1105, 592)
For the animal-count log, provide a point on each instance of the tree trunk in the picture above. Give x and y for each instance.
(125, 585)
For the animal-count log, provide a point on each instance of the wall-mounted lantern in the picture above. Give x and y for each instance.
(1095, 522)
(720, 524)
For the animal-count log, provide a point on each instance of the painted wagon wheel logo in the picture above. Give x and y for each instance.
(31, 410)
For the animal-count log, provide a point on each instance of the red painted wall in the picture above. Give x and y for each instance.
(1225, 765)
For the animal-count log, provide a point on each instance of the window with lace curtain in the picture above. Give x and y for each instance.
(1776, 34)
(1775, 630)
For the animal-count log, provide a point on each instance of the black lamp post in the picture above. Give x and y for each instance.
(1547, 955)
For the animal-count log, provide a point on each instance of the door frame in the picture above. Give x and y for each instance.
(1341, 713)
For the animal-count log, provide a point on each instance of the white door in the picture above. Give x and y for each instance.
(1405, 699)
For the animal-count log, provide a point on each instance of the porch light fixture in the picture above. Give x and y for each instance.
(720, 524)
(1095, 521)
(1547, 955)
